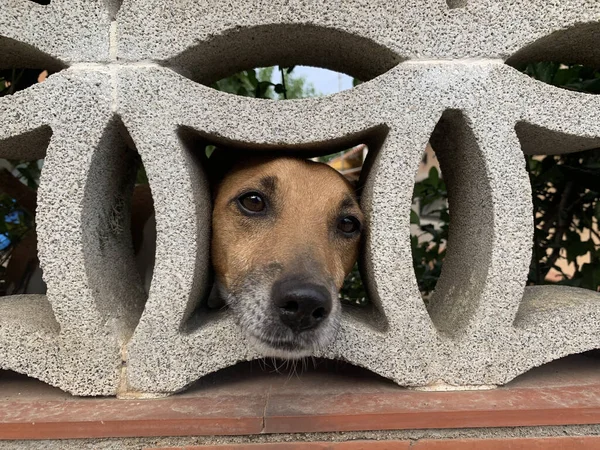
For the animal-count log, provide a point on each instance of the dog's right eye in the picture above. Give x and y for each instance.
(252, 202)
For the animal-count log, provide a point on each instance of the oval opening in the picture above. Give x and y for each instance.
(19, 56)
(116, 207)
(430, 220)
(467, 233)
(573, 45)
(243, 48)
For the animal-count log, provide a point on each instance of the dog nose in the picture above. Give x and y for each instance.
(302, 307)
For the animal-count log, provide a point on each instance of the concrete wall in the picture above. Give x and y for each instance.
(133, 75)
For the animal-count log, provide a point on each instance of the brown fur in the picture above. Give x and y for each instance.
(308, 198)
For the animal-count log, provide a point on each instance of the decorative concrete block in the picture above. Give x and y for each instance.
(94, 295)
(438, 72)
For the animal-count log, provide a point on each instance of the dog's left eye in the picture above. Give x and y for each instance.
(252, 202)
(348, 225)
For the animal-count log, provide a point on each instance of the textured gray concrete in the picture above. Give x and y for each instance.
(52, 36)
(437, 72)
(210, 38)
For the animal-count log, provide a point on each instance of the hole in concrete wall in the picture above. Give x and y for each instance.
(14, 80)
(21, 58)
(41, 2)
(20, 271)
(566, 200)
(290, 376)
(283, 83)
(143, 226)
(429, 220)
(453, 4)
(574, 45)
(573, 77)
(111, 192)
(470, 230)
(564, 173)
(243, 48)
(345, 155)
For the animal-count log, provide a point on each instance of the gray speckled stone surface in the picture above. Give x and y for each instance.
(55, 35)
(437, 72)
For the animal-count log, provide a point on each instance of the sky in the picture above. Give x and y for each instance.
(325, 81)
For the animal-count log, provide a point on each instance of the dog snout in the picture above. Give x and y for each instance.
(301, 306)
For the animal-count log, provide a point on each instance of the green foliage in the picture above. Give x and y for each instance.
(574, 77)
(431, 218)
(258, 83)
(353, 291)
(566, 192)
(248, 83)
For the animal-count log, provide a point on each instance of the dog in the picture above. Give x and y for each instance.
(286, 232)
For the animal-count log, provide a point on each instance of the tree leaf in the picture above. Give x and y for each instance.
(251, 74)
(414, 217)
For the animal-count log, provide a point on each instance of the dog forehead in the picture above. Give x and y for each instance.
(287, 173)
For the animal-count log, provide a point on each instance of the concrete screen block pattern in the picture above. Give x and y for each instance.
(133, 76)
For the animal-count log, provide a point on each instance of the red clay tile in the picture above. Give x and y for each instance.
(547, 443)
(241, 401)
(416, 410)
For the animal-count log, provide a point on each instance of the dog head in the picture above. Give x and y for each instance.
(286, 232)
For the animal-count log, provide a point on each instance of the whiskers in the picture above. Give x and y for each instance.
(291, 368)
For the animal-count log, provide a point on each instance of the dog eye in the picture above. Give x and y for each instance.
(348, 225)
(252, 202)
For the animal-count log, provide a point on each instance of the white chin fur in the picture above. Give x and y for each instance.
(266, 350)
